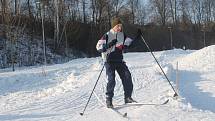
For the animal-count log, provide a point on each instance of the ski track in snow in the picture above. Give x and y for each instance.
(62, 94)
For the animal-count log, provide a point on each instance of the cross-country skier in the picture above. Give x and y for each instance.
(111, 45)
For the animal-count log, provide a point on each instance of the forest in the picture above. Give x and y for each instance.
(32, 29)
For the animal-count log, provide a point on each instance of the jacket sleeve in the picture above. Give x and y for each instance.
(128, 41)
(100, 46)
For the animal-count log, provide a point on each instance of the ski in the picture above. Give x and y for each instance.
(163, 103)
(140, 104)
(124, 115)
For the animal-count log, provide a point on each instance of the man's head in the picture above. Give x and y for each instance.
(116, 24)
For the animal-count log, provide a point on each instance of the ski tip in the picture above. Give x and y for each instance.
(81, 114)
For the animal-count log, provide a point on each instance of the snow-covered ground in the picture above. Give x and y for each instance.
(29, 51)
(60, 92)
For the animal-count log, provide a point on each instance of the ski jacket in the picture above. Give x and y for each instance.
(115, 53)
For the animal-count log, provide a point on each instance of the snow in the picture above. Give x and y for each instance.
(60, 92)
(29, 51)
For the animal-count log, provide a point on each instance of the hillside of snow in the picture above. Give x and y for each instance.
(60, 92)
(28, 50)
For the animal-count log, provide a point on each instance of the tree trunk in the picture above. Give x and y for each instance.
(172, 12)
(56, 22)
(84, 11)
(175, 12)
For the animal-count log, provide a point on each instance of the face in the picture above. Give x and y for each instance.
(118, 28)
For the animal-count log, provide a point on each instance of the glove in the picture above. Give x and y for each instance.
(139, 32)
(125, 49)
(112, 43)
(104, 48)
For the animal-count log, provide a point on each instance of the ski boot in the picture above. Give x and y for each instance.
(109, 103)
(129, 100)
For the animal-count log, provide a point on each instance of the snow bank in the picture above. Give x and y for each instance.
(77, 79)
(196, 77)
(203, 59)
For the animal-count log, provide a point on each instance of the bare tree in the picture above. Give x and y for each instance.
(184, 7)
(84, 10)
(134, 4)
(117, 6)
(173, 10)
(162, 10)
(207, 9)
(198, 11)
(141, 14)
(12, 31)
(17, 6)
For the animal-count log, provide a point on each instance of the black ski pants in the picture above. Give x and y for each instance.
(124, 75)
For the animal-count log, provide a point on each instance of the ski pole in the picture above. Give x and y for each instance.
(139, 31)
(93, 90)
(82, 113)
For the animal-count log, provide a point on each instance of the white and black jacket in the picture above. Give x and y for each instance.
(115, 52)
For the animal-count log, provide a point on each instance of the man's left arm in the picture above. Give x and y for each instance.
(128, 41)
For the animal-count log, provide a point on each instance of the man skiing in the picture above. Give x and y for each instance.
(111, 45)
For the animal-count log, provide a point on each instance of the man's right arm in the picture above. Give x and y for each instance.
(101, 45)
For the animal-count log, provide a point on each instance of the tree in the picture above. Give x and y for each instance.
(84, 10)
(12, 31)
(141, 14)
(173, 10)
(117, 6)
(162, 10)
(207, 10)
(134, 4)
(185, 16)
(198, 11)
